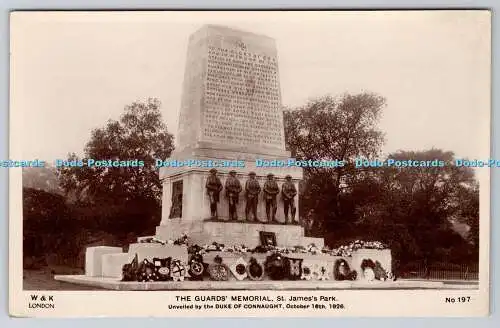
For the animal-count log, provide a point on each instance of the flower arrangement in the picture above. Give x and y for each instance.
(312, 249)
(342, 271)
(347, 250)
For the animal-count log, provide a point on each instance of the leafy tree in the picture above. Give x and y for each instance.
(332, 128)
(411, 208)
(44, 214)
(124, 197)
(469, 212)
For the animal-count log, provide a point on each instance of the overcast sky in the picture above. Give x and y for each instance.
(71, 72)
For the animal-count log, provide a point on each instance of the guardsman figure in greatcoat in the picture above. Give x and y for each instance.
(233, 189)
(288, 193)
(271, 190)
(214, 187)
(252, 191)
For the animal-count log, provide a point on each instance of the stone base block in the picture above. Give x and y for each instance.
(152, 250)
(112, 264)
(234, 233)
(93, 259)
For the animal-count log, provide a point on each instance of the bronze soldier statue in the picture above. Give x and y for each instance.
(271, 190)
(213, 186)
(176, 208)
(252, 191)
(233, 189)
(288, 192)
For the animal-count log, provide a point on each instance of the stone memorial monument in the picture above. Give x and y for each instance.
(231, 113)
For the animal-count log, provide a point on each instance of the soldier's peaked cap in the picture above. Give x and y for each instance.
(288, 176)
(270, 175)
(251, 173)
(232, 172)
(213, 171)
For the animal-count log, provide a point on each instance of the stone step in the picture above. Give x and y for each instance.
(293, 285)
(233, 233)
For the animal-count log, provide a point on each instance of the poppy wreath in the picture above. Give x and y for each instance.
(177, 270)
(130, 270)
(196, 267)
(162, 268)
(275, 266)
(306, 272)
(315, 271)
(368, 269)
(322, 269)
(218, 271)
(294, 268)
(380, 273)
(255, 270)
(342, 271)
(146, 272)
(129, 273)
(367, 263)
(239, 269)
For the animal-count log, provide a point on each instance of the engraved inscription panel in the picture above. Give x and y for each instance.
(242, 98)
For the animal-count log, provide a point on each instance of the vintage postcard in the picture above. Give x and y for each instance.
(250, 164)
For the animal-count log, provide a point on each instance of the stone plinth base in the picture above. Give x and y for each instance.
(93, 258)
(104, 261)
(232, 233)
